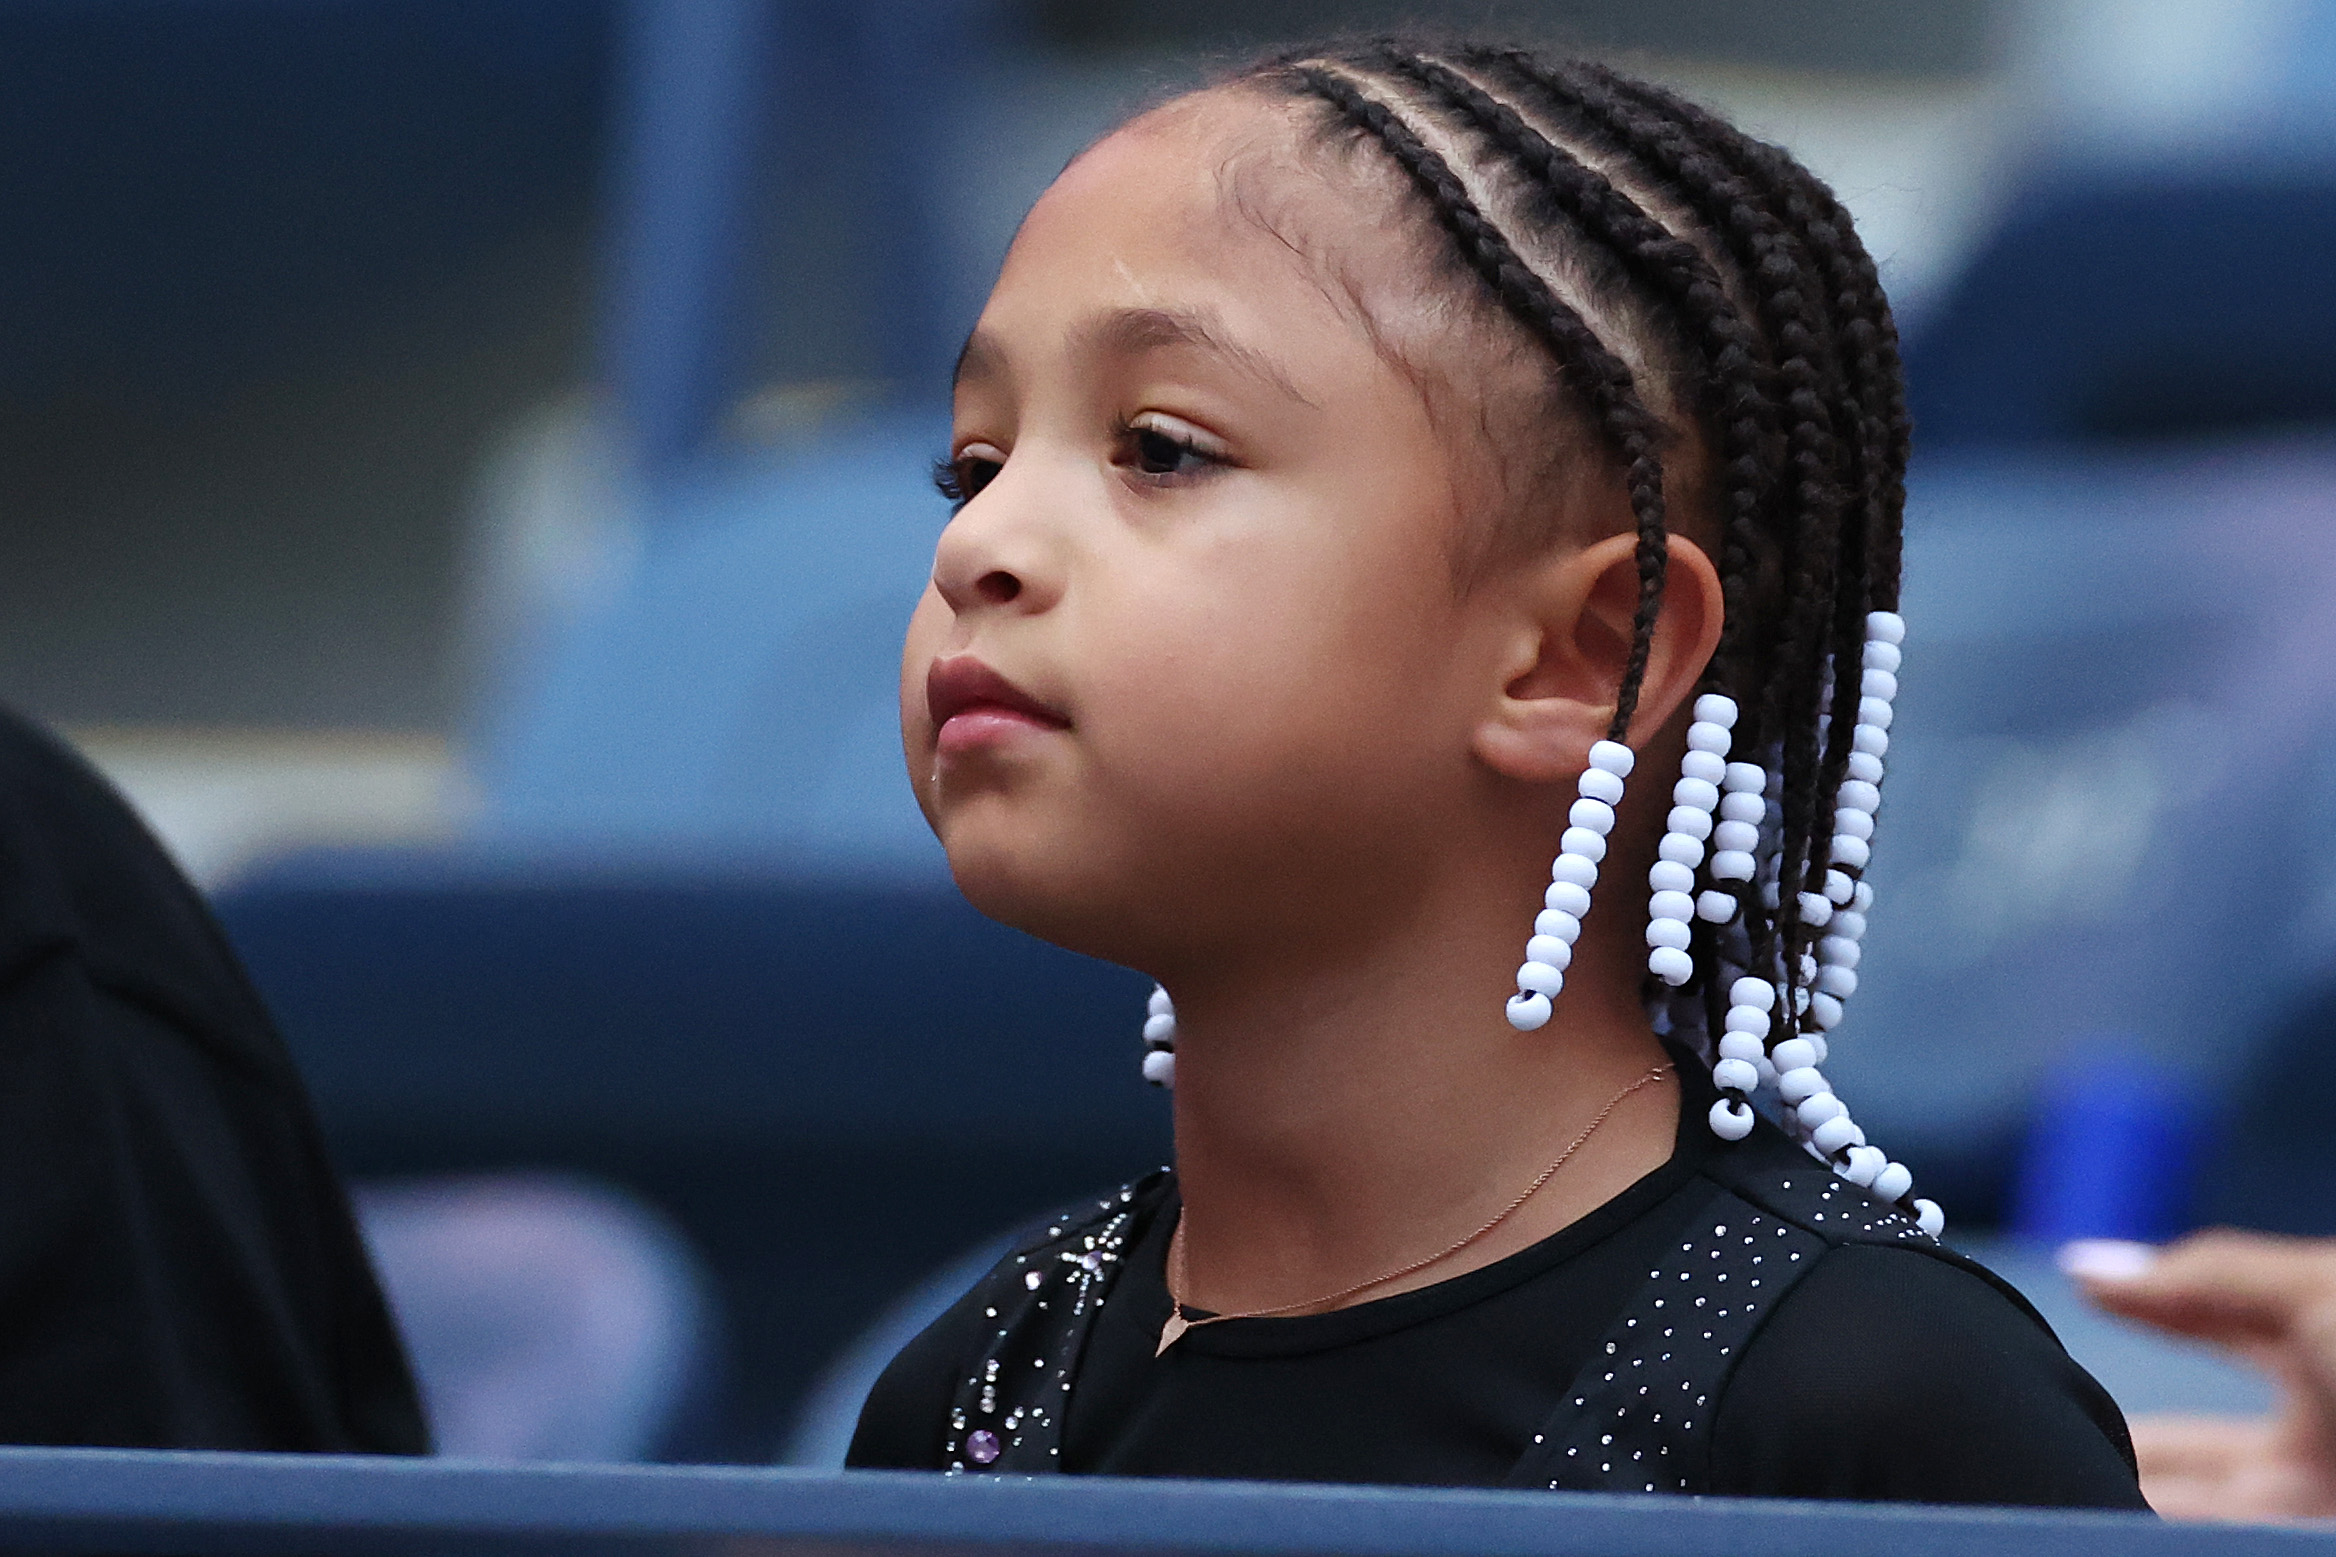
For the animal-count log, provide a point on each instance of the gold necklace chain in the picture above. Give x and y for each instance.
(1177, 1324)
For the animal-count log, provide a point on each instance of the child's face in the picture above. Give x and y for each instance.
(1210, 552)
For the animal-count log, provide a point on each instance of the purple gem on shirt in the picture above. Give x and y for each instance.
(981, 1446)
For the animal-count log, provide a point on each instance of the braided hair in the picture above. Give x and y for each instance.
(1734, 275)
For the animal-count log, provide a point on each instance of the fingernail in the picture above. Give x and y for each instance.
(2106, 1259)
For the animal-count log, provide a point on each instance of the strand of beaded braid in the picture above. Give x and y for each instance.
(1843, 764)
(1604, 383)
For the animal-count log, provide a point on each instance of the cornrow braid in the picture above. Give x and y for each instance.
(1732, 391)
(1660, 136)
(1869, 353)
(1595, 373)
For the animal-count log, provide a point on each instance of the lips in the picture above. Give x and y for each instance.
(970, 703)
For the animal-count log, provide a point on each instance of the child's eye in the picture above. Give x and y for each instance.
(961, 478)
(1165, 450)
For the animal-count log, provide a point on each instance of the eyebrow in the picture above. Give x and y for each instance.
(1134, 332)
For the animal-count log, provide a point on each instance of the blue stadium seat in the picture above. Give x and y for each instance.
(2138, 304)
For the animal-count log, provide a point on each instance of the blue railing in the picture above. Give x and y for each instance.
(81, 1500)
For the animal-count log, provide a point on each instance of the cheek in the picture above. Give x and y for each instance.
(928, 627)
(1275, 679)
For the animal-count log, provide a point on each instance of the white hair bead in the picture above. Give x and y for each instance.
(1929, 1217)
(1589, 845)
(1697, 793)
(1798, 1085)
(1670, 933)
(1834, 1134)
(1856, 853)
(1703, 735)
(1716, 708)
(1160, 1068)
(1861, 897)
(1853, 824)
(1550, 952)
(1574, 870)
(1742, 1046)
(1873, 742)
(1873, 711)
(1613, 757)
(1740, 837)
(1714, 906)
(1667, 904)
(1749, 1020)
(1689, 820)
(1567, 897)
(1891, 1184)
(1885, 627)
(1558, 925)
(1881, 656)
(1824, 1010)
(1818, 1039)
(1736, 1076)
(1858, 795)
(1840, 983)
(1160, 1029)
(1158, 1003)
(1748, 778)
(1670, 964)
(1731, 1120)
(1808, 966)
(1849, 924)
(1864, 1165)
(1528, 1012)
(1840, 887)
(1671, 876)
(1706, 765)
(1816, 909)
(1540, 978)
(1736, 806)
(1733, 865)
(1594, 815)
(1757, 993)
(1794, 1054)
(1816, 1110)
(1838, 950)
(1878, 683)
(1681, 849)
(1864, 767)
(1598, 784)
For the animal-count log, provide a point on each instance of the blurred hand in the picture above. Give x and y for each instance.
(2270, 1299)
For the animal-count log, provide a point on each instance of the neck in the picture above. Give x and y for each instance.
(1341, 1116)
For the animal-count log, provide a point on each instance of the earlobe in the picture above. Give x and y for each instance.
(1572, 644)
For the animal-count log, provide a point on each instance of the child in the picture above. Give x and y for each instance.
(1363, 468)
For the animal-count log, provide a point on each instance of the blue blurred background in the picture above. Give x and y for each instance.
(462, 472)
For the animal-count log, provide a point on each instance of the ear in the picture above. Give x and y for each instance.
(1570, 649)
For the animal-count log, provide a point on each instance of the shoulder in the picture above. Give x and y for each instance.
(1905, 1372)
(904, 1424)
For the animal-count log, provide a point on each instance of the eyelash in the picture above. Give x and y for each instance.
(957, 480)
(961, 479)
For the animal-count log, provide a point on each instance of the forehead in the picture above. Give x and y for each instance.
(1202, 201)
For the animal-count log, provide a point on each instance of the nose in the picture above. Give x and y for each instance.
(997, 553)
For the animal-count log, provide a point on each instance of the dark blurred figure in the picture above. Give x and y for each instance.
(178, 1263)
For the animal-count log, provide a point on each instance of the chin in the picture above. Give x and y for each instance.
(1041, 891)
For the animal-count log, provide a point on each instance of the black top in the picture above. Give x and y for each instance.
(178, 1265)
(1884, 1373)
